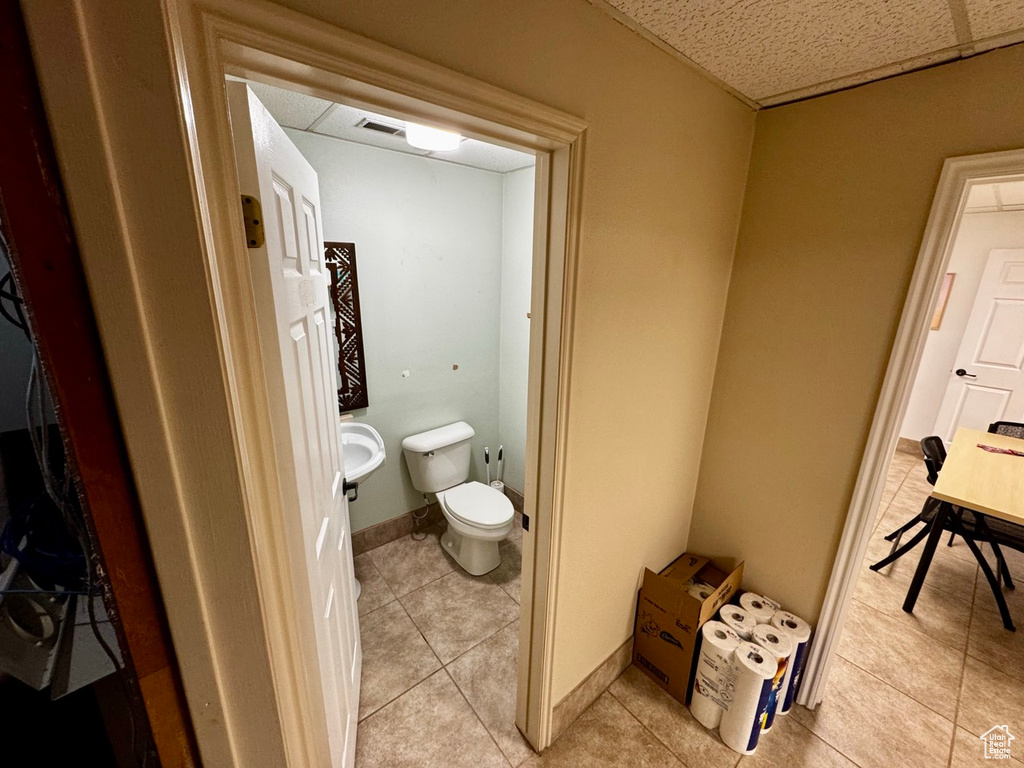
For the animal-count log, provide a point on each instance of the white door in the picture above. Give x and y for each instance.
(987, 380)
(291, 287)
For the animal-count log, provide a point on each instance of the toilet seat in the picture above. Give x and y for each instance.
(478, 505)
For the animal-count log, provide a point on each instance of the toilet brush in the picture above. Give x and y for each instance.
(487, 462)
(497, 484)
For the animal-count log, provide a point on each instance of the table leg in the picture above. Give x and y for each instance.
(938, 525)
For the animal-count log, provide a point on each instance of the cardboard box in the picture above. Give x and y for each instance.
(668, 618)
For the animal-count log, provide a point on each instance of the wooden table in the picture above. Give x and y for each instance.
(981, 481)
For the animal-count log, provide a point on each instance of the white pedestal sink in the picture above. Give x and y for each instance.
(363, 452)
(362, 448)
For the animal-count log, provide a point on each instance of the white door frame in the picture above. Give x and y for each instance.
(152, 189)
(959, 174)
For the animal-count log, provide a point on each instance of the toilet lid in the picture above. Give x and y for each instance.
(478, 504)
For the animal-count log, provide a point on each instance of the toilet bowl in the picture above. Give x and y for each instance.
(478, 518)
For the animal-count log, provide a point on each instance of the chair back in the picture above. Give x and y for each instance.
(1008, 428)
(934, 451)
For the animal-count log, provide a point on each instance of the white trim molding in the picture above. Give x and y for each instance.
(959, 174)
(139, 117)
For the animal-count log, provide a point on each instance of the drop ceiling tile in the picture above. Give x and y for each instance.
(342, 121)
(765, 48)
(982, 196)
(295, 110)
(488, 157)
(994, 17)
(1011, 193)
(290, 109)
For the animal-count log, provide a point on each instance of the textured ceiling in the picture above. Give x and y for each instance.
(307, 113)
(774, 51)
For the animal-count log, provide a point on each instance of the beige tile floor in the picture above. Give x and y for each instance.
(440, 652)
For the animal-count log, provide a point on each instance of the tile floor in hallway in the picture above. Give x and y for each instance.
(440, 651)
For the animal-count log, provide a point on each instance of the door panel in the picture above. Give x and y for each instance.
(292, 299)
(991, 352)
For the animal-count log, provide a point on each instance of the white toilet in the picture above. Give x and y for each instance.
(478, 516)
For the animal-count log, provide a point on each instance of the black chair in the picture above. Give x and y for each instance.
(975, 528)
(934, 456)
(1008, 428)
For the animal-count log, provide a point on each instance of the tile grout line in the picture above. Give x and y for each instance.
(478, 718)
(830, 746)
(886, 683)
(434, 652)
(488, 637)
(400, 695)
(963, 667)
(639, 722)
(477, 645)
(908, 626)
(888, 505)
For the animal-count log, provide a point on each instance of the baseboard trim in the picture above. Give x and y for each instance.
(393, 529)
(587, 692)
(908, 446)
(390, 530)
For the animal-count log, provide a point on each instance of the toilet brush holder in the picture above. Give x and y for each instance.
(498, 485)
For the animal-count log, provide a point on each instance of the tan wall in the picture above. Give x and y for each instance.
(666, 164)
(837, 200)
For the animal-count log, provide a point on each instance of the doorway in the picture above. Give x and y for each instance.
(429, 253)
(891, 479)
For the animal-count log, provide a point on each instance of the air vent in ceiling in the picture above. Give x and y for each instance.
(379, 127)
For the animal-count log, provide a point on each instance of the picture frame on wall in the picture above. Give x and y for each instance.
(940, 305)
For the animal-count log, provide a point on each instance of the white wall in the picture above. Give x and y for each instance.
(979, 234)
(516, 280)
(428, 254)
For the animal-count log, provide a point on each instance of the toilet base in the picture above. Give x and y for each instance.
(476, 556)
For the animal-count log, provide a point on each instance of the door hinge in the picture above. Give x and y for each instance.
(252, 214)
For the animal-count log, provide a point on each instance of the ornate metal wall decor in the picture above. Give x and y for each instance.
(341, 260)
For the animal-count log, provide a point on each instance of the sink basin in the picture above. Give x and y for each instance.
(362, 448)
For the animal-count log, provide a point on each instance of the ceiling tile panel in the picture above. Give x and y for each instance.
(982, 196)
(1011, 193)
(343, 123)
(488, 157)
(290, 109)
(989, 18)
(307, 113)
(764, 47)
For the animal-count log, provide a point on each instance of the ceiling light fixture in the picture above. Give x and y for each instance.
(433, 139)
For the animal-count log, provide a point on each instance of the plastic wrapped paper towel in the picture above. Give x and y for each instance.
(738, 620)
(761, 609)
(715, 678)
(800, 632)
(780, 645)
(755, 671)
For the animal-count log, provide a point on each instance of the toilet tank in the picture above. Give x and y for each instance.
(439, 459)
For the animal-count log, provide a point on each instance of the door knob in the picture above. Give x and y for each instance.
(964, 374)
(347, 487)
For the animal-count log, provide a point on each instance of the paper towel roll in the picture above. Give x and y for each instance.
(800, 631)
(701, 591)
(741, 725)
(757, 607)
(780, 645)
(715, 678)
(738, 620)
